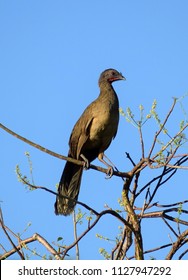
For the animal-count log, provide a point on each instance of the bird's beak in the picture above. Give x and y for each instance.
(118, 77)
(122, 77)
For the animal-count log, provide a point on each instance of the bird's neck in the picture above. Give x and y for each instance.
(106, 88)
(108, 94)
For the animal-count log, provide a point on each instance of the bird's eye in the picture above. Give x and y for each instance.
(113, 73)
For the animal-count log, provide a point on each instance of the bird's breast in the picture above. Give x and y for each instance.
(104, 126)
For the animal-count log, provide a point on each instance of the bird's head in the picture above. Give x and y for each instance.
(110, 75)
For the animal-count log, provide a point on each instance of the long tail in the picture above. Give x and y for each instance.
(69, 186)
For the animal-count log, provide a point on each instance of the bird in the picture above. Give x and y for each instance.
(90, 137)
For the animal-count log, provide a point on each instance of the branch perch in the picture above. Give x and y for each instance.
(43, 149)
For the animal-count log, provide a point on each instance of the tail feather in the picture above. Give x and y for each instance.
(69, 186)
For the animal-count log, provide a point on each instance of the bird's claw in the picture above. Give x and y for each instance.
(110, 172)
(86, 162)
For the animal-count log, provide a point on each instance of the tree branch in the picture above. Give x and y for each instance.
(176, 245)
(22, 243)
(161, 128)
(75, 161)
(99, 216)
(35, 237)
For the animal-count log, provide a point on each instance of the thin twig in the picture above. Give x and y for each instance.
(169, 143)
(75, 234)
(56, 194)
(160, 214)
(154, 250)
(8, 236)
(99, 216)
(183, 254)
(141, 141)
(161, 128)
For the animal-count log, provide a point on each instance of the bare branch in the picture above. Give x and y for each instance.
(181, 239)
(162, 214)
(99, 216)
(45, 150)
(35, 237)
(22, 243)
(8, 236)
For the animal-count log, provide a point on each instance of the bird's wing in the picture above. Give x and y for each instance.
(80, 134)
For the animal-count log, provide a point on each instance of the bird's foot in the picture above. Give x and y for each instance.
(86, 162)
(110, 172)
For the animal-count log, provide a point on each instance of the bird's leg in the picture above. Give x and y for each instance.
(111, 162)
(86, 161)
(110, 170)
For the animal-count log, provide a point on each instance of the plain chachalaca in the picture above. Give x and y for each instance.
(90, 137)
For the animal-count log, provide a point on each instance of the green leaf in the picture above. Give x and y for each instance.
(59, 238)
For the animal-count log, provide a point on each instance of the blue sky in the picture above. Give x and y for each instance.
(52, 53)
